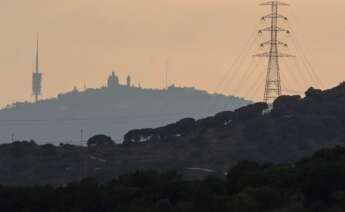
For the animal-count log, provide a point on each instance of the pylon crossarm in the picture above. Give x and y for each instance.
(273, 54)
(272, 15)
(285, 55)
(277, 29)
(274, 2)
(270, 42)
(266, 54)
(282, 43)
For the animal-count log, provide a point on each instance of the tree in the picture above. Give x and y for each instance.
(100, 140)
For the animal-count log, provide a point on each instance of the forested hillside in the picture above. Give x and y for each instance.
(295, 128)
(314, 184)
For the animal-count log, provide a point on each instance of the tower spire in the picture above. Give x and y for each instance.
(167, 74)
(273, 82)
(37, 76)
(37, 56)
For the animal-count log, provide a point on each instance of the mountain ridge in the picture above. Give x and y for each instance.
(109, 110)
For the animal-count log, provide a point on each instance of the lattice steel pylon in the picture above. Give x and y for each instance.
(273, 81)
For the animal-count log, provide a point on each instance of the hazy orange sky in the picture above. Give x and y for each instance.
(82, 40)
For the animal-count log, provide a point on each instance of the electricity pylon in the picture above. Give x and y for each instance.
(273, 82)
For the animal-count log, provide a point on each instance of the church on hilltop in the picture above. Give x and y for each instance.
(114, 82)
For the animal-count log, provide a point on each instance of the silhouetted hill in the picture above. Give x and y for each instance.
(295, 127)
(112, 110)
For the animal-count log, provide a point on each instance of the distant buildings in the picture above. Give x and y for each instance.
(114, 82)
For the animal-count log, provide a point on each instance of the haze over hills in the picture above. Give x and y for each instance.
(124, 147)
(111, 110)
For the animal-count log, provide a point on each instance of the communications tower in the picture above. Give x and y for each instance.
(37, 77)
(273, 82)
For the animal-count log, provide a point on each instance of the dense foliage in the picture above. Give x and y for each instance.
(190, 126)
(312, 184)
(100, 141)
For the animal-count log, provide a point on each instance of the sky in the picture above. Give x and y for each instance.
(203, 43)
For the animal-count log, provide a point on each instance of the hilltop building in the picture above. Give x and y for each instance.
(113, 109)
(113, 81)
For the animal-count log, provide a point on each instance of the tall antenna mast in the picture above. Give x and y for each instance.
(37, 77)
(273, 82)
(166, 74)
(37, 57)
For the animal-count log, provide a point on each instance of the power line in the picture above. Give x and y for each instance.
(307, 62)
(233, 70)
(237, 62)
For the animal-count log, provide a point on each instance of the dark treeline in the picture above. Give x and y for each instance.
(190, 126)
(312, 184)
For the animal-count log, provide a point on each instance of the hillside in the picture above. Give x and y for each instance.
(111, 110)
(314, 184)
(295, 127)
